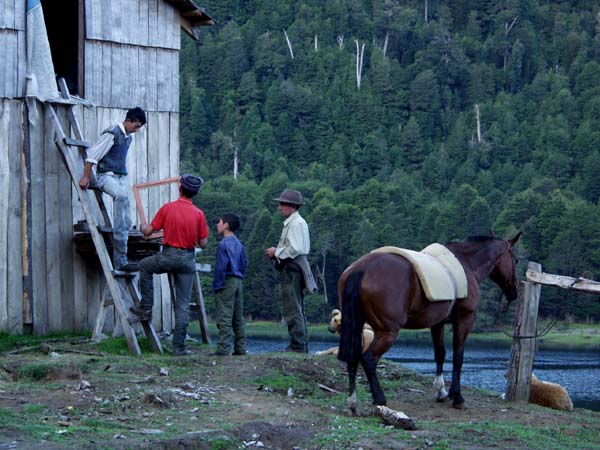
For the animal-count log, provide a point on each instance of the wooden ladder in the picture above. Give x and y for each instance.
(120, 285)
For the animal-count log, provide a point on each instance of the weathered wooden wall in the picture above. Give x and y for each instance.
(132, 56)
(131, 59)
(12, 48)
(64, 291)
(11, 250)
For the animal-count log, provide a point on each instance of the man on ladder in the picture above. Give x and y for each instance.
(109, 153)
(184, 228)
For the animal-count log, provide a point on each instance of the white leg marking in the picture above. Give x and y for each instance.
(440, 388)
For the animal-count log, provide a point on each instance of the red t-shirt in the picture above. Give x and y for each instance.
(183, 223)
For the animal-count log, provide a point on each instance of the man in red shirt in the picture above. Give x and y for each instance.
(184, 228)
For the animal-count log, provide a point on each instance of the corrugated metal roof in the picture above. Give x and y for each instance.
(194, 15)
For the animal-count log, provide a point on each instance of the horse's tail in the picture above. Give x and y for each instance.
(353, 320)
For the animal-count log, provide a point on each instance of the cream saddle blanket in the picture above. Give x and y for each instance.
(441, 275)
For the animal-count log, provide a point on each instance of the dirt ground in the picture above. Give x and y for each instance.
(275, 401)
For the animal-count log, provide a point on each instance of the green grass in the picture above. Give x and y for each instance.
(30, 425)
(10, 342)
(349, 432)
(524, 436)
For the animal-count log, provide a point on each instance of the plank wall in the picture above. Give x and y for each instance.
(132, 54)
(13, 46)
(64, 291)
(11, 256)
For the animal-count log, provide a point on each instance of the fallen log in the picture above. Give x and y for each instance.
(397, 419)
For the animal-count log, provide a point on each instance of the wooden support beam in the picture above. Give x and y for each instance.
(576, 284)
(523, 348)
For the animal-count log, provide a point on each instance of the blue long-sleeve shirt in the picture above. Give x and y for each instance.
(231, 261)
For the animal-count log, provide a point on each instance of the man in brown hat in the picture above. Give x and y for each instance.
(294, 270)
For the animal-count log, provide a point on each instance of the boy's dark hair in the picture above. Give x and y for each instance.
(187, 193)
(136, 114)
(233, 220)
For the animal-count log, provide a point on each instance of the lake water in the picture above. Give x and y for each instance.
(484, 367)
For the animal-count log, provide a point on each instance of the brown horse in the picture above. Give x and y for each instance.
(383, 289)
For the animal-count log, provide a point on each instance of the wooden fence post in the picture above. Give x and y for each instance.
(523, 348)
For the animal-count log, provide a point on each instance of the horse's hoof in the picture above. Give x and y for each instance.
(442, 399)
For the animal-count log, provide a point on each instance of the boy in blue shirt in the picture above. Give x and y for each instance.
(230, 267)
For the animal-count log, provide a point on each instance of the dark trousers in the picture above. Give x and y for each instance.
(292, 286)
(182, 264)
(230, 317)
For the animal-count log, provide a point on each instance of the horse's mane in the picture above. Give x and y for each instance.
(482, 238)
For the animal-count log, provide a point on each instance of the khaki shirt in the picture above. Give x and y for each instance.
(294, 239)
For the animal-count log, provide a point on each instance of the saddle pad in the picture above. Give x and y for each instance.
(436, 280)
(447, 258)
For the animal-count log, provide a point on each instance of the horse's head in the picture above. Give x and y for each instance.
(504, 272)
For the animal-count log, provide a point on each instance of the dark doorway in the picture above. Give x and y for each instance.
(63, 26)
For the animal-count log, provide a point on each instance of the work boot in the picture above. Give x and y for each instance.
(143, 314)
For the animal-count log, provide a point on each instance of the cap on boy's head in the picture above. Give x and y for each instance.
(191, 182)
(290, 196)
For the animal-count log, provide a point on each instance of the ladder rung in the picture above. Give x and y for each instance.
(82, 226)
(122, 274)
(76, 143)
(94, 187)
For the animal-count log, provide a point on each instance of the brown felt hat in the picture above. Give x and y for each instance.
(290, 196)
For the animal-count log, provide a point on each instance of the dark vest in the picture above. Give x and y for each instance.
(114, 160)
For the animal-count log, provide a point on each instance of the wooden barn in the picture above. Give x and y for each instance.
(114, 55)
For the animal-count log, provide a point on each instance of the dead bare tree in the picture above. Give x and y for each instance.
(385, 43)
(340, 41)
(235, 156)
(478, 124)
(359, 63)
(289, 43)
(426, 10)
(316, 44)
(507, 46)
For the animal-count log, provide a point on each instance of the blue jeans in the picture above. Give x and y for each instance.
(117, 186)
(182, 265)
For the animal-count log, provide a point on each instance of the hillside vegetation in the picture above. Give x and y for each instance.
(399, 161)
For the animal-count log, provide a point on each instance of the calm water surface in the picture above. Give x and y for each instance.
(578, 372)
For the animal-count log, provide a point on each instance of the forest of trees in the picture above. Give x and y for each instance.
(400, 160)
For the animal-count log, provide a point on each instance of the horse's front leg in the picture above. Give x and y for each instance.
(439, 350)
(458, 347)
(352, 400)
(370, 359)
